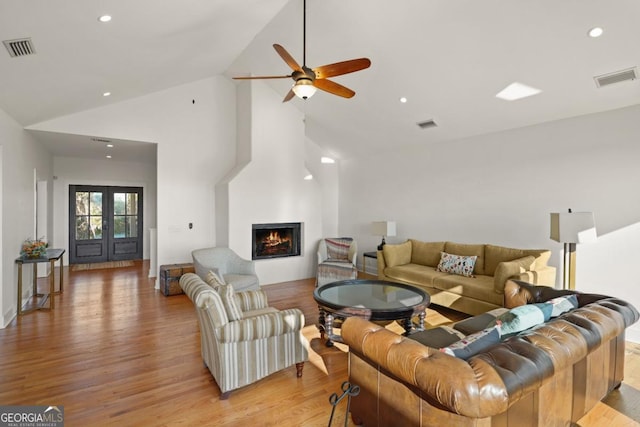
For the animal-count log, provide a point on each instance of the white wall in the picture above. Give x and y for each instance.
(194, 127)
(500, 189)
(74, 171)
(21, 154)
(271, 188)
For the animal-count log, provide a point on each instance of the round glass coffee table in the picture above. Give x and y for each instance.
(376, 300)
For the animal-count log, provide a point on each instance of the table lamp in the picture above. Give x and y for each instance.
(384, 229)
(571, 228)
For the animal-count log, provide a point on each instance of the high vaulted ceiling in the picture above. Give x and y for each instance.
(447, 57)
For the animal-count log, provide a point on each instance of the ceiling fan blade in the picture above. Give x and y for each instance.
(287, 58)
(288, 96)
(339, 68)
(334, 88)
(261, 77)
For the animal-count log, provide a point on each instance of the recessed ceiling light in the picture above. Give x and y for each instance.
(108, 156)
(517, 91)
(327, 160)
(595, 32)
(403, 100)
(109, 145)
(106, 94)
(308, 177)
(104, 18)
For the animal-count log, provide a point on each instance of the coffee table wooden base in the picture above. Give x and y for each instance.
(326, 318)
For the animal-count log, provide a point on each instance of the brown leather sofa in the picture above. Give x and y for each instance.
(549, 375)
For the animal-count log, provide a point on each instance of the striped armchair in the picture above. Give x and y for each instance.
(243, 339)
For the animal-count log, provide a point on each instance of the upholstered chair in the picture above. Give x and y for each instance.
(230, 267)
(336, 260)
(242, 339)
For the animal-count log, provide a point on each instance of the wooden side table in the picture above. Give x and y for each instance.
(52, 256)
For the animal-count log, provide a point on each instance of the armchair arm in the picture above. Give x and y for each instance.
(507, 269)
(251, 300)
(353, 253)
(264, 326)
(244, 266)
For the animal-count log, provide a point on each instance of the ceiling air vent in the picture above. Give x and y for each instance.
(427, 124)
(19, 47)
(100, 140)
(616, 77)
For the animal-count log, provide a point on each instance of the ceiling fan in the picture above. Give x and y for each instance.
(306, 79)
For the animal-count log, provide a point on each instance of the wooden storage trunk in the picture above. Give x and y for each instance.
(170, 277)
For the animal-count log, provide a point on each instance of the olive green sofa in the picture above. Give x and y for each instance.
(415, 262)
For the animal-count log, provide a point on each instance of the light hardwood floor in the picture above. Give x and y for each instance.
(117, 352)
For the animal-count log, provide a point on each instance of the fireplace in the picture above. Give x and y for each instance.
(275, 240)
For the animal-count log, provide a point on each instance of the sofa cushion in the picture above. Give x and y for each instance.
(474, 343)
(439, 337)
(524, 317)
(456, 264)
(563, 304)
(468, 250)
(399, 254)
(494, 255)
(541, 255)
(414, 273)
(479, 287)
(426, 253)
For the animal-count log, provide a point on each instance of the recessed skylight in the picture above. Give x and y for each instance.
(517, 91)
(106, 94)
(327, 160)
(104, 18)
(595, 32)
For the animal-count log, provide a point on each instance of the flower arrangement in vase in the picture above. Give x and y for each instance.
(34, 248)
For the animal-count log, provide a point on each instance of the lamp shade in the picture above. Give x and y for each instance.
(573, 227)
(383, 228)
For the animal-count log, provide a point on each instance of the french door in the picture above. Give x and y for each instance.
(105, 223)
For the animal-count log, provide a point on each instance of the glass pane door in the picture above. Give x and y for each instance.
(105, 223)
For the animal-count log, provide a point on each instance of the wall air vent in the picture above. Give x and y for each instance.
(616, 77)
(19, 47)
(100, 140)
(427, 124)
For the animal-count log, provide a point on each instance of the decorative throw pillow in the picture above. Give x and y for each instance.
(523, 317)
(563, 304)
(456, 264)
(230, 304)
(474, 343)
(214, 280)
(338, 249)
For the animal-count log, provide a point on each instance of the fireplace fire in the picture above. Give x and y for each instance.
(275, 240)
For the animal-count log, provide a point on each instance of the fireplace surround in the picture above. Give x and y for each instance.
(275, 240)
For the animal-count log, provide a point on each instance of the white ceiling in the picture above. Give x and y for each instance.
(448, 57)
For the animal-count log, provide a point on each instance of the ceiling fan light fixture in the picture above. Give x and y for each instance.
(304, 88)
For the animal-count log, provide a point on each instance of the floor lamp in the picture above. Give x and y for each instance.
(384, 229)
(572, 228)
